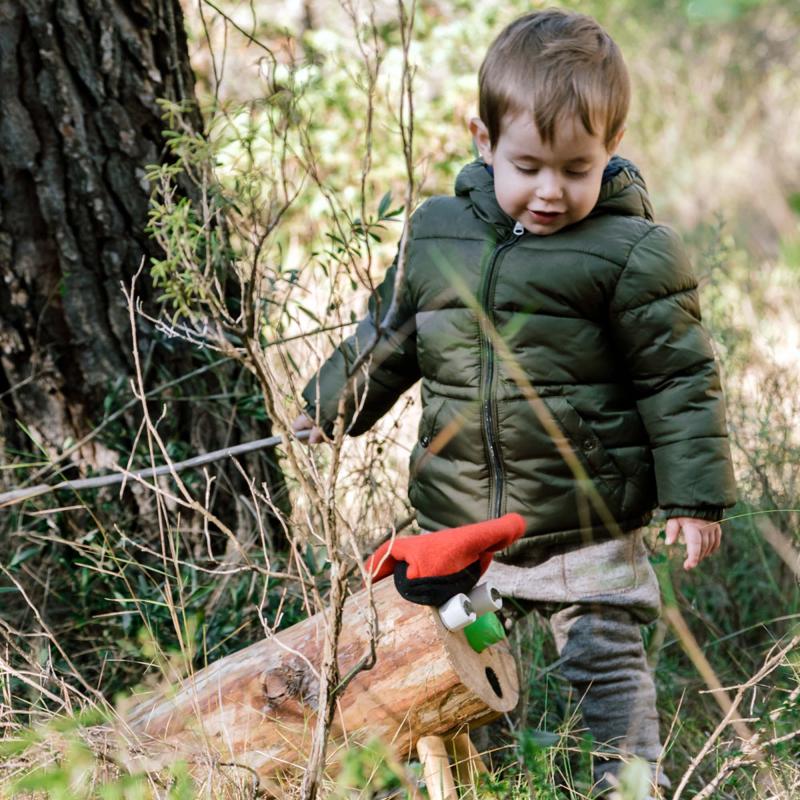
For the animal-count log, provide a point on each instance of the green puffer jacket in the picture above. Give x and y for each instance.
(603, 319)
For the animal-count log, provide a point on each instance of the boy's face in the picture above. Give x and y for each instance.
(545, 186)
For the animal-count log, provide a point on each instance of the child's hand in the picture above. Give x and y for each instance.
(700, 536)
(305, 423)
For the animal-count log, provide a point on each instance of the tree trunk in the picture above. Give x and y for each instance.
(257, 707)
(79, 124)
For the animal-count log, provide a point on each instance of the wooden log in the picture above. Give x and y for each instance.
(466, 759)
(256, 707)
(436, 768)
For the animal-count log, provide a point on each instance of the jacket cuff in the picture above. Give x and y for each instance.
(708, 513)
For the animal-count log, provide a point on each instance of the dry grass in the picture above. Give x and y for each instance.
(100, 595)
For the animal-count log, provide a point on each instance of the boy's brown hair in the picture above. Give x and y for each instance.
(550, 63)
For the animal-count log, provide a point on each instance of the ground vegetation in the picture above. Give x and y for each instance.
(324, 124)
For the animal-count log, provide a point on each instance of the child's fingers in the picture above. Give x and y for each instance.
(305, 423)
(694, 546)
(672, 530)
(302, 423)
(711, 538)
(716, 538)
(702, 539)
(316, 436)
(707, 537)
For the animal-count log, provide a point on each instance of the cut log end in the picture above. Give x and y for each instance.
(257, 707)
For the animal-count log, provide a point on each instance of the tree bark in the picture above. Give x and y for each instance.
(79, 124)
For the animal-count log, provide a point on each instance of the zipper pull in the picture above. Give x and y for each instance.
(518, 229)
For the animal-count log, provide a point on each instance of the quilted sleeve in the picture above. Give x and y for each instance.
(656, 324)
(391, 369)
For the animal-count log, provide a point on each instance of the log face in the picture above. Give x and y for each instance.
(257, 706)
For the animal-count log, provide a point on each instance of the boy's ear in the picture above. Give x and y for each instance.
(615, 142)
(480, 135)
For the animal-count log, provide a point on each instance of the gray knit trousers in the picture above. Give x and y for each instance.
(595, 597)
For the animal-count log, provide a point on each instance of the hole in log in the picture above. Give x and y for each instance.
(494, 681)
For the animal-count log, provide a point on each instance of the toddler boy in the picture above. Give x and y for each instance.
(565, 372)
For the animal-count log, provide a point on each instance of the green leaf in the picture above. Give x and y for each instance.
(23, 555)
(53, 780)
(531, 740)
(310, 560)
(183, 787)
(308, 312)
(18, 745)
(384, 204)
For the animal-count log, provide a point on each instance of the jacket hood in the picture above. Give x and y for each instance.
(623, 191)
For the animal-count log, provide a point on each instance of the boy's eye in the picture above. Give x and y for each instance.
(573, 173)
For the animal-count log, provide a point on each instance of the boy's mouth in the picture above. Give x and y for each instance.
(545, 216)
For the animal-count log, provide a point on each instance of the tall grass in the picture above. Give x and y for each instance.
(101, 594)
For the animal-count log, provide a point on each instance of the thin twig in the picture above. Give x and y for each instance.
(770, 664)
(18, 495)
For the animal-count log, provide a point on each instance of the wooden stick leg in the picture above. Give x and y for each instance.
(436, 768)
(467, 760)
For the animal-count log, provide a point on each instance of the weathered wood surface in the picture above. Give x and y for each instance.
(256, 707)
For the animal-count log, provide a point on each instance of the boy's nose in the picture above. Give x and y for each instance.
(549, 187)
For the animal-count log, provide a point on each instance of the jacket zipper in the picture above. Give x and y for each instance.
(488, 411)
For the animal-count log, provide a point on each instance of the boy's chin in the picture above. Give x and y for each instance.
(545, 229)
